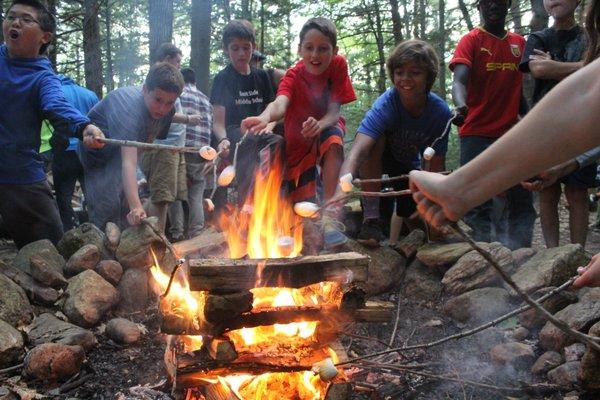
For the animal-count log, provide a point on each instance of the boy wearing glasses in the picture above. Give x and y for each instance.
(31, 92)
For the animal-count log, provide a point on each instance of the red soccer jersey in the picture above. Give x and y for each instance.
(310, 96)
(495, 82)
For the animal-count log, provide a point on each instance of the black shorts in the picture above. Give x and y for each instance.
(405, 206)
(584, 178)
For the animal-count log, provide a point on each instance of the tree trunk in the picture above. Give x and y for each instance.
(110, 75)
(406, 17)
(415, 18)
(377, 29)
(161, 25)
(515, 16)
(246, 12)
(226, 10)
(422, 19)
(288, 39)
(465, 12)
(396, 22)
(91, 47)
(539, 20)
(52, 4)
(200, 42)
(262, 26)
(2, 17)
(442, 47)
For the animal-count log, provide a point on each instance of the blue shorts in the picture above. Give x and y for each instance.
(584, 178)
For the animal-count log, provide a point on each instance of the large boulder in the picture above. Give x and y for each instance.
(549, 267)
(35, 291)
(11, 345)
(579, 316)
(89, 297)
(136, 243)
(546, 362)
(589, 370)
(471, 271)
(420, 283)
(43, 247)
(533, 319)
(514, 353)
(565, 375)
(479, 305)
(14, 305)
(110, 270)
(134, 291)
(522, 255)
(53, 361)
(83, 259)
(441, 256)
(73, 240)
(46, 328)
(386, 268)
(45, 272)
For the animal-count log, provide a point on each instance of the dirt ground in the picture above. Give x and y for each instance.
(112, 369)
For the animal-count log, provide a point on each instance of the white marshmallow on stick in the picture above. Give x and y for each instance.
(306, 209)
(226, 176)
(346, 183)
(210, 206)
(326, 370)
(428, 153)
(208, 153)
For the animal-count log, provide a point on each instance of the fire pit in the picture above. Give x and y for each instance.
(252, 324)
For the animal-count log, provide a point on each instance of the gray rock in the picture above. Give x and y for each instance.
(14, 305)
(53, 361)
(7, 394)
(123, 331)
(579, 316)
(11, 345)
(420, 283)
(574, 352)
(411, 243)
(441, 256)
(89, 297)
(110, 270)
(549, 267)
(546, 362)
(135, 244)
(522, 255)
(514, 353)
(113, 236)
(83, 259)
(73, 240)
(133, 291)
(533, 319)
(46, 328)
(589, 370)
(471, 271)
(386, 268)
(44, 272)
(565, 375)
(45, 247)
(519, 334)
(35, 291)
(479, 305)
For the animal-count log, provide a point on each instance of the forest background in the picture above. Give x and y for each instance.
(105, 44)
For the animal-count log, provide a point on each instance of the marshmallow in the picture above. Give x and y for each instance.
(210, 206)
(208, 153)
(226, 176)
(286, 245)
(326, 370)
(428, 153)
(306, 209)
(346, 183)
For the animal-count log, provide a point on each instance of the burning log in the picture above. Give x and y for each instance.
(199, 243)
(218, 275)
(338, 391)
(229, 304)
(221, 349)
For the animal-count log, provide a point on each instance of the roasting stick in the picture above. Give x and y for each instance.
(149, 146)
(360, 182)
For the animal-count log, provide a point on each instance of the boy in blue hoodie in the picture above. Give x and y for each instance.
(31, 92)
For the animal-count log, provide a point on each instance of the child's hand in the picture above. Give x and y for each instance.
(590, 274)
(136, 215)
(195, 119)
(253, 125)
(90, 134)
(223, 147)
(540, 55)
(311, 128)
(461, 114)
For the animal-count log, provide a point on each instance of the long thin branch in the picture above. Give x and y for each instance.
(591, 341)
(11, 369)
(149, 146)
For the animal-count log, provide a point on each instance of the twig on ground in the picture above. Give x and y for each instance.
(67, 387)
(591, 341)
(397, 319)
(469, 332)
(11, 369)
(356, 336)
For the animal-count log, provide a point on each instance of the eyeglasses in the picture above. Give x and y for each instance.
(25, 19)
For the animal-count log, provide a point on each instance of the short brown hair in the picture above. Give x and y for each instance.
(418, 51)
(167, 50)
(323, 25)
(238, 29)
(164, 76)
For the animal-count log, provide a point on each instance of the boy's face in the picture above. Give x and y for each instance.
(239, 52)
(174, 60)
(493, 11)
(22, 32)
(159, 102)
(317, 51)
(410, 80)
(559, 9)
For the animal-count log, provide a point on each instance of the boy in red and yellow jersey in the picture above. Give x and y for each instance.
(487, 93)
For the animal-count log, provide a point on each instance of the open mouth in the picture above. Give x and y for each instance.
(13, 34)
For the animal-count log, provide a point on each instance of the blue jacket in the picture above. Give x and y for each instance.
(30, 92)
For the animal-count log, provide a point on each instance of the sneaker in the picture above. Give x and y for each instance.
(333, 235)
(370, 233)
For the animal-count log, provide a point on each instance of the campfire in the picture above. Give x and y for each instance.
(262, 321)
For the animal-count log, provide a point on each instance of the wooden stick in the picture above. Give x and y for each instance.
(150, 146)
(11, 369)
(591, 341)
(360, 182)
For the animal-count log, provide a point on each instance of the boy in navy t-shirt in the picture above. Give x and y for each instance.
(400, 125)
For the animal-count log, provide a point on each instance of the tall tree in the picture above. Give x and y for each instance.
(110, 75)
(52, 49)
(465, 13)
(200, 42)
(160, 13)
(396, 22)
(91, 47)
(442, 47)
(246, 12)
(516, 16)
(539, 20)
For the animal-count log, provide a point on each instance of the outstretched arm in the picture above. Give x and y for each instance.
(130, 187)
(460, 81)
(274, 112)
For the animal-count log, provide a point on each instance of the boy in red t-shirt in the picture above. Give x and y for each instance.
(487, 93)
(309, 96)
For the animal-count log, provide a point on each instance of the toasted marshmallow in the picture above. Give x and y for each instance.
(346, 183)
(326, 370)
(306, 209)
(208, 153)
(226, 176)
(428, 153)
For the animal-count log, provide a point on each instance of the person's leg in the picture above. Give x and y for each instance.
(103, 188)
(579, 213)
(65, 172)
(175, 214)
(195, 198)
(161, 170)
(332, 162)
(372, 169)
(549, 199)
(521, 217)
